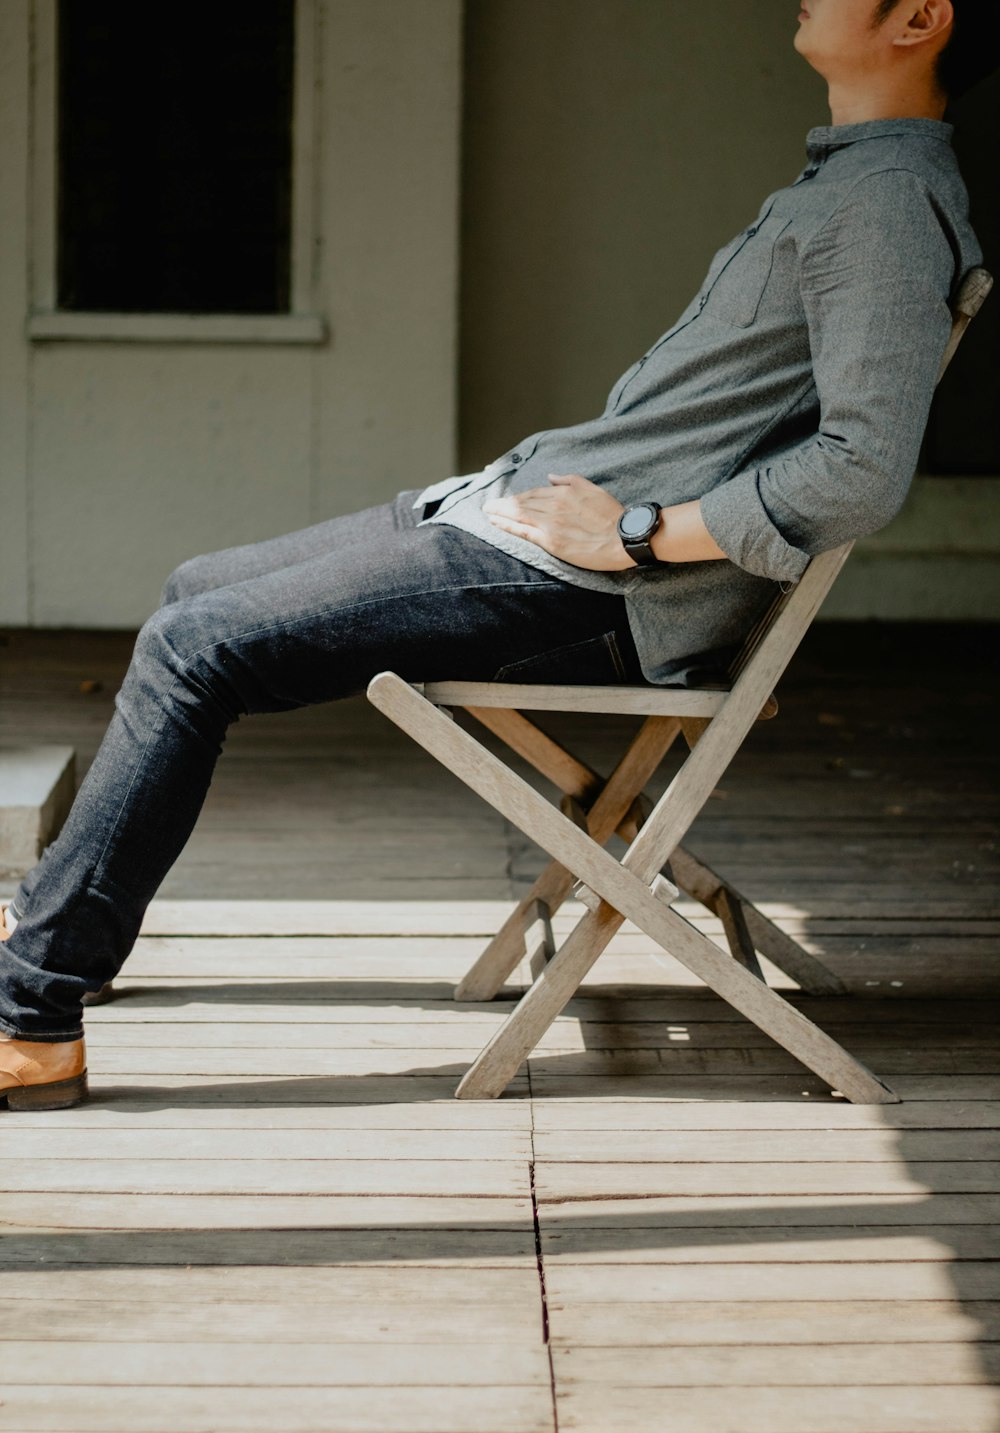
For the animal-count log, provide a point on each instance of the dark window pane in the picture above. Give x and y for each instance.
(175, 156)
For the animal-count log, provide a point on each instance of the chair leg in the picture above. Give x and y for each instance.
(545, 948)
(610, 806)
(713, 892)
(498, 1062)
(507, 947)
(730, 913)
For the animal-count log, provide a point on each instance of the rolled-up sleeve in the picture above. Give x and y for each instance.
(876, 281)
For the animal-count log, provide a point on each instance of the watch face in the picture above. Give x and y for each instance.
(636, 522)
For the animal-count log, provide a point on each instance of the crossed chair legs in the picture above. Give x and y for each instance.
(638, 888)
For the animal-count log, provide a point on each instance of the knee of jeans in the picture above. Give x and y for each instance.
(173, 656)
(161, 637)
(185, 581)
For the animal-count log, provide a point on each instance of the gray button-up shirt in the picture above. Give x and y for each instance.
(790, 396)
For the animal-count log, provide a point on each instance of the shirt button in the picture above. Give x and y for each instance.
(751, 232)
(515, 457)
(703, 301)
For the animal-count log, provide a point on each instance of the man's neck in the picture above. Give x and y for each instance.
(855, 104)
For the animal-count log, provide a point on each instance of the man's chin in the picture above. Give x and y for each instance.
(800, 43)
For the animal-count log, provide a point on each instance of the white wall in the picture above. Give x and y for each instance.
(118, 460)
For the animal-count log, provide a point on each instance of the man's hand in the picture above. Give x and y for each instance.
(573, 519)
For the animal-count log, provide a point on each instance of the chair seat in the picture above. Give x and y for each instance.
(627, 700)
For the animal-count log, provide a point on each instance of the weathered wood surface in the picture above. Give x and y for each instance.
(821, 1409)
(274, 1214)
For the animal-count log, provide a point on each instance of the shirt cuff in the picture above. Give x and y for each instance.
(735, 515)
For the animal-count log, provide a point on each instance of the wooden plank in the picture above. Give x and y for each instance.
(679, 1059)
(312, 917)
(851, 1365)
(383, 1321)
(262, 1176)
(591, 1181)
(710, 1036)
(714, 1146)
(621, 700)
(700, 1245)
(267, 956)
(289, 1061)
(557, 1117)
(90, 1363)
(133, 1112)
(821, 1409)
(955, 1016)
(921, 977)
(274, 1091)
(270, 1037)
(217, 1145)
(411, 1215)
(316, 1286)
(758, 1283)
(260, 1091)
(829, 899)
(413, 1247)
(769, 1212)
(307, 1002)
(550, 1080)
(789, 1323)
(229, 1410)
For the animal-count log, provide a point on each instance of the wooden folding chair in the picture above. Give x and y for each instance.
(641, 886)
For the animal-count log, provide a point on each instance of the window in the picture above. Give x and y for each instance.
(174, 156)
(174, 170)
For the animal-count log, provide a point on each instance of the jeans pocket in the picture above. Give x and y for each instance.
(596, 661)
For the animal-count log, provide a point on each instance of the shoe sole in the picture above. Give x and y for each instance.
(100, 997)
(60, 1095)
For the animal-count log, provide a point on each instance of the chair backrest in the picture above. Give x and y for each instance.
(969, 300)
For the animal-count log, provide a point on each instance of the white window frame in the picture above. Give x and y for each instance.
(47, 323)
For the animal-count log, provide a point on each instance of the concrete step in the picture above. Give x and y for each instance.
(37, 785)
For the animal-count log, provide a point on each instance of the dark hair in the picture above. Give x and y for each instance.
(972, 53)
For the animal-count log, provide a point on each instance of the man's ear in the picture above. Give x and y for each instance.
(928, 20)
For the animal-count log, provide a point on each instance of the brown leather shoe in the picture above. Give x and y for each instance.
(42, 1075)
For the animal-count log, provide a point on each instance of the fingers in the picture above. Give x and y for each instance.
(526, 530)
(519, 505)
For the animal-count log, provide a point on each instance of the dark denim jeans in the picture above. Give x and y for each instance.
(309, 617)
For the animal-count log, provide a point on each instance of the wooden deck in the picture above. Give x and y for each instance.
(273, 1215)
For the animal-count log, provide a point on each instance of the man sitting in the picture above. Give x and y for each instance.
(779, 416)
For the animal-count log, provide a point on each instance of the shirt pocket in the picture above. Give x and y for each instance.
(735, 294)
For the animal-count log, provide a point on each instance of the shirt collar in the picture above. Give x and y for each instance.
(822, 140)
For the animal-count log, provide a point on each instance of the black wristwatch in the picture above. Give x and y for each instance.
(636, 527)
